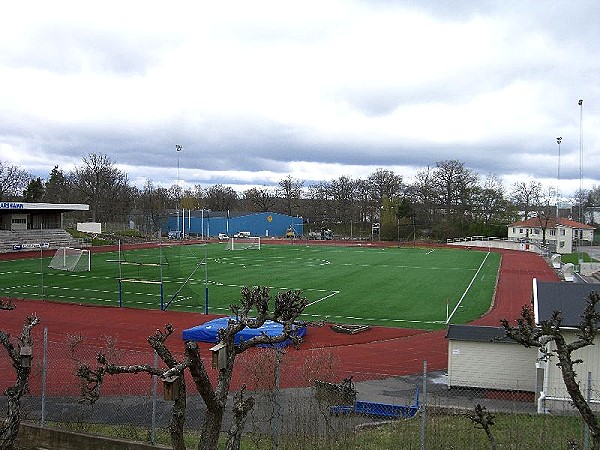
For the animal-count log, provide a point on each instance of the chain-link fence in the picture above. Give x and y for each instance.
(300, 402)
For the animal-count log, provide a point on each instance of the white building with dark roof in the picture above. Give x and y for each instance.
(571, 300)
(483, 357)
(563, 235)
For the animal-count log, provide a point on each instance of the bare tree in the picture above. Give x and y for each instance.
(221, 198)
(343, 196)
(19, 352)
(260, 199)
(152, 204)
(13, 180)
(423, 198)
(94, 378)
(320, 203)
(384, 183)
(549, 337)
(546, 213)
(252, 312)
(104, 187)
(193, 198)
(526, 196)
(453, 186)
(290, 191)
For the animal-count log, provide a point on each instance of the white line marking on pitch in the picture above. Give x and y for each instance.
(468, 287)
(323, 298)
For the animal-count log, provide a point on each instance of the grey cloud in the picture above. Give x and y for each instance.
(69, 48)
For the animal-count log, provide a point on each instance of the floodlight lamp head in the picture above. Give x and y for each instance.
(558, 140)
(178, 147)
(580, 102)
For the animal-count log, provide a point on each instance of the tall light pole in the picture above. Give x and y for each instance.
(580, 159)
(558, 141)
(178, 149)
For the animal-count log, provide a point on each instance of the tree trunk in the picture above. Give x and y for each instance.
(211, 428)
(241, 408)
(10, 427)
(569, 378)
(177, 421)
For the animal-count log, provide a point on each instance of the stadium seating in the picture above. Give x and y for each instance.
(53, 237)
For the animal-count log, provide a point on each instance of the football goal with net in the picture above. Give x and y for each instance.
(71, 259)
(243, 243)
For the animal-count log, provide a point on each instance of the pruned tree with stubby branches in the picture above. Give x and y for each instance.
(93, 378)
(19, 352)
(254, 309)
(549, 337)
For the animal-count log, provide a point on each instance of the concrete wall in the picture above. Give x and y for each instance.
(89, 227)
(498, 243)
(35, 437)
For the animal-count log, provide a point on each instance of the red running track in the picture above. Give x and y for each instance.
(376, 353)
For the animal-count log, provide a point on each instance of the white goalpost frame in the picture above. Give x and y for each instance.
(68, 258)
(245, 243)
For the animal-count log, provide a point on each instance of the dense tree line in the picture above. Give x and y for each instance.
(443, 201)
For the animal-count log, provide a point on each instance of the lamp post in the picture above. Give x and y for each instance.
(558, 141)
(580, 158)
(178, 149)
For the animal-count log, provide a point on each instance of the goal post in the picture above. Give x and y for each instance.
(71, 260)
(245, 243)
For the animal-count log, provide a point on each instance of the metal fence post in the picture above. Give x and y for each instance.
(424, 405)
(44, 376)
(586, 429)
(154, 382)
(277, 405)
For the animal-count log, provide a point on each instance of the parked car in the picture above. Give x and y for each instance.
(242, 234)
(223, 237)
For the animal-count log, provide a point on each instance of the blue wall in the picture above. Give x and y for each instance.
(258, 224)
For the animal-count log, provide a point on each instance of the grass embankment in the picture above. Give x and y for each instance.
(443, 431)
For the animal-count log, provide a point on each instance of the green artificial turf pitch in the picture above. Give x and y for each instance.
(405, 287)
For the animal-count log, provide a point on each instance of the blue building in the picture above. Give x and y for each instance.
(212, 223)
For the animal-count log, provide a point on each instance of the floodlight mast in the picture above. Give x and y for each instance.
(580, 158)
(178, 149)
(558, 141)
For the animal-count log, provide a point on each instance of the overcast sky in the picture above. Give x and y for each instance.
(255, 91)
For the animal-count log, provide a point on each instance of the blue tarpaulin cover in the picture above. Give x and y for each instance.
(208, 332)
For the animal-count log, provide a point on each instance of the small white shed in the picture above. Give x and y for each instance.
(483, 357)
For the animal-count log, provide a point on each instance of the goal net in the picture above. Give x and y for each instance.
(71, 259)
(246, 243)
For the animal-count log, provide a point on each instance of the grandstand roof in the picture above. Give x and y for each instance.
(23, 206)
(536, 222)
